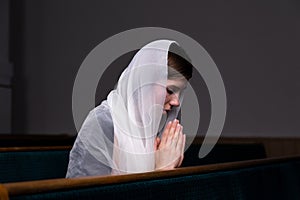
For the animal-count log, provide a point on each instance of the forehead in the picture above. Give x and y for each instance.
(179, 83)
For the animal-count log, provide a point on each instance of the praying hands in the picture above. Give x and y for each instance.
(170, 148)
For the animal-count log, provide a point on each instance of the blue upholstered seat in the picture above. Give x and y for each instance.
(33, 165)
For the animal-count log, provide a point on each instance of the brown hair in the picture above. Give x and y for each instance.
(178, 67)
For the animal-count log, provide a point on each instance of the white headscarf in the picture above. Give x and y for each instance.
(136, 107)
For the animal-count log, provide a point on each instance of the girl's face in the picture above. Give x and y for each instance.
(174, 89)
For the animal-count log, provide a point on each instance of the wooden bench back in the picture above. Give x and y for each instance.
(33, 163)
(256, 179)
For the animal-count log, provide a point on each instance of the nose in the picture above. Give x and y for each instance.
(174, 101)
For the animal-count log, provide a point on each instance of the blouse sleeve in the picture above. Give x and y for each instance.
(81, 161)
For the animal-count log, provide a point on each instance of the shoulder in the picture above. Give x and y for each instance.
(103, 117)
(103, 113)
(98, 121)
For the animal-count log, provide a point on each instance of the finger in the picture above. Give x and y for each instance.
(182, 152)
(156, 143)
(183, 144)
(180, 162)
(165, 134)
(176, 137)
(172, 131)
(179, 143)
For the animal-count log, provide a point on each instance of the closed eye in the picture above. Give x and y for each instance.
(169, 91)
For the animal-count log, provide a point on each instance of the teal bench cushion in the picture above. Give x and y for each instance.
(33, 165)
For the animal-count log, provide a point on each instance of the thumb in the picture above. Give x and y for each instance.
(156, 143)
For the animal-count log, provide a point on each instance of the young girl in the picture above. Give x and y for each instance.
(135, 129)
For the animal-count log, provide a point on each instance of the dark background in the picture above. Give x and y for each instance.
(254, 43)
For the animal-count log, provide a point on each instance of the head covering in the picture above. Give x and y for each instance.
(136, 107)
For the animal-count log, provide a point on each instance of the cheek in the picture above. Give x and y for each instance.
(160, 95)
(167, 99)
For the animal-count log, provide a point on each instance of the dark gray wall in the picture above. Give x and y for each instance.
(255, 45)
(5, 70)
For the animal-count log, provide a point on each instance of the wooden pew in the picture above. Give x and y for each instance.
(46, 162)
(274, 146)
(275, 178)
(33, 163)
(28, 140)
(223, 152)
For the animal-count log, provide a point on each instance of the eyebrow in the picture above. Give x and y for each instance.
(173, 87)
